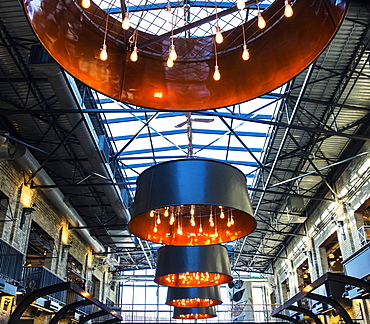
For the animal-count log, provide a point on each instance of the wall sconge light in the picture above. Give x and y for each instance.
(26, 212)
(192, 202)
(192, 266)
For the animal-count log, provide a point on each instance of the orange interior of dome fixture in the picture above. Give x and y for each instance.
(190, 225)
(278, 53)
(193, 279)
(194, 302)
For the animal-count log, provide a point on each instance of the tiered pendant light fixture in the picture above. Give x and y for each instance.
(192, 266)
(194, 313)
(192, 202)
(194, 297)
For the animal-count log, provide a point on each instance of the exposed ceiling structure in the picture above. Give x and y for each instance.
(292, 143)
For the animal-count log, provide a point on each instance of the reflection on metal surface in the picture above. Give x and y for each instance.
(74, 39)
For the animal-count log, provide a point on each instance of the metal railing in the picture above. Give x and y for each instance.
(11, 261)
(40, 277)
(226, 313)
(364, 234)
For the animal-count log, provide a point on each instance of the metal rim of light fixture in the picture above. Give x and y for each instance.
(194, 313)
(194, 296)
(192, 266)
(191, 202)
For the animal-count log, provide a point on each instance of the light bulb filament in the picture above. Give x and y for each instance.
(217, 74)
(134, 56)
(219, 38)
(103, 53)
(261, 21)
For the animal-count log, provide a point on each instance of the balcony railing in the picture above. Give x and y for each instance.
(364, 234)
(11, 261)
(40, 277)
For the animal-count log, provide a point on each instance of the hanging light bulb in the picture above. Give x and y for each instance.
(200, 228)
(232, 222)
(240, 4)
(261, 21)
(166, 212)
(172, 55)
(192, 221)
(126, 22)
(179, 230)
(134, 56)
(245, 54)
(222, 214)
(288, 12)
(192, 211)
(155, 229)
(85, 4)
(169, 62)
(218, 38)
(158, 220)
(172, 219)
(217, 74)
(151, 213)
(103, 53)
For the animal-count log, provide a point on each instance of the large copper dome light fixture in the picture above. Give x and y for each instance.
(192, 266)
(74, 37)
(191, 202)
(194, 313)
(194, 297)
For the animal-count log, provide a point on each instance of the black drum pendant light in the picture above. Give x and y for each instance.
(192, 266)
(192, 202)
(194, 313)
(194, 297)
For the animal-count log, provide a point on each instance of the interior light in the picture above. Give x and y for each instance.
(172, 55)
(126, 22)
(217, 74)
(261, 21)
(288, 11)
(245, 55)
(86, 4)
(134, 54)
(103, 53)
(194, 313)
(218, 38)
(194, 297)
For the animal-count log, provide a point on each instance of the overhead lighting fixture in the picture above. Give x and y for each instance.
(192, 266)
(194, 297)
(191, 202)
(194, 313)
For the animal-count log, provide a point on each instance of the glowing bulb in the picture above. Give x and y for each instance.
(166, 212)
(85, 4)
(151, 213)
(155, 230)
(158, 220)
(240, 4)
(245, 55)
(200, 228)
(288, 12)
(261, 21)
(126, 22)
(229, 223)
(219, 38)
(179, 230)
(217, 74)
(192, 212)
(192, 221)
(232, 222)
(172, 219)
(222, 214)
(216, 233)
(211, 222)
(134, 56)
(103, 53)
(169, 62)
(173, 54)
